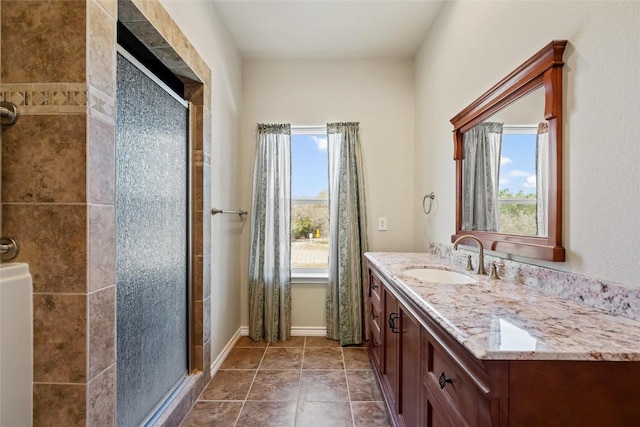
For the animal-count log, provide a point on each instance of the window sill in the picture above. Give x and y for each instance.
(309, 278)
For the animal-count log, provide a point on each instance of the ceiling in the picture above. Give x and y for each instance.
(314, 29)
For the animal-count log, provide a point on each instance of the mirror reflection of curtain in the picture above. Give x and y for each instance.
(270, 252)
(542, 173)
(348, 236)
(481, 170)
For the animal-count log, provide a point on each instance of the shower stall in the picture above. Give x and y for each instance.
(120, 293)
(152, 242)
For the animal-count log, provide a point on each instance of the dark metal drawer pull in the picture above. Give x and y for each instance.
(443, 380)
(392, 322)
(372, 287)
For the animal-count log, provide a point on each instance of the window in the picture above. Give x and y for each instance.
(517, 197)
(309, 202)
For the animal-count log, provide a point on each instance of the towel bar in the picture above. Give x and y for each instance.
(215, 211)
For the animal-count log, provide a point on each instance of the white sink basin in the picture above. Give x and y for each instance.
(439, 276)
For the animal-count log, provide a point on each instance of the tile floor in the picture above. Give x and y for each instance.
(303, 382)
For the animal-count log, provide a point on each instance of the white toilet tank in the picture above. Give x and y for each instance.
(16, 346)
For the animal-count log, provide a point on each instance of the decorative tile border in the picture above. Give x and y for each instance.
(616, 298)
(101, 106)
(60, 98)
(200, 158)
(46, 98)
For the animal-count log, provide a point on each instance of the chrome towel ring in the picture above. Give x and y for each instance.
(429, 196)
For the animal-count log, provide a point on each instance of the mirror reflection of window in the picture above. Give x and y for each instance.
(522, 192)
(517, 188)
(531, 95)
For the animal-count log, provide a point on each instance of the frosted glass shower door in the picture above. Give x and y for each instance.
(152, 243)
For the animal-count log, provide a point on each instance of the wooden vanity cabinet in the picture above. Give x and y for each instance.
(429, 379)
(409, 356)
(397, 359)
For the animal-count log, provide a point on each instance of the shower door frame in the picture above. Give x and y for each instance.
(164, 403)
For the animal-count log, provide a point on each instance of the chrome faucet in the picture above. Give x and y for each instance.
(481, 269)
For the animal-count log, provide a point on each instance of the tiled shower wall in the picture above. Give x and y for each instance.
(58, 190)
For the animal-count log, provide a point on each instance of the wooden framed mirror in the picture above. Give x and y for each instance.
(520, 118)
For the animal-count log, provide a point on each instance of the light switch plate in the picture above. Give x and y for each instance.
(382, 223)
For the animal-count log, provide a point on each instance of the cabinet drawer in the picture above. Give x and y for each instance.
(375, 290)
(449, 383)
(377, 320)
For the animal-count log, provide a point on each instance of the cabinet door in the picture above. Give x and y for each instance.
(436, 413)
(409, 402)
(435, 418)
(376, 321)
(390, 339)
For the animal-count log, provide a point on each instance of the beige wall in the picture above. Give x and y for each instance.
(379, 95)
(474, 44)
(307, 307)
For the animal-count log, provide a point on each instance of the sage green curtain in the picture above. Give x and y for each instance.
(348, 237)
(481, 171)
(542, 178)
(270, 252)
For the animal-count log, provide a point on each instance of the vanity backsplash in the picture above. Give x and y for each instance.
(616, 298)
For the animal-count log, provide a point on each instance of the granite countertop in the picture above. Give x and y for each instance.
(504, 320)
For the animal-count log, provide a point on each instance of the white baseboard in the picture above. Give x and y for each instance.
(296, 331)
(215, 365)
(308, 331)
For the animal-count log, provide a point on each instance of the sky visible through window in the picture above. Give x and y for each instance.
(309, 165)
(518, 163)
(309, 213)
